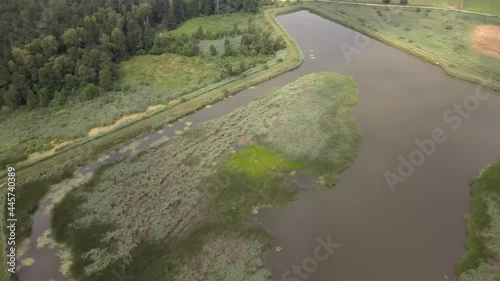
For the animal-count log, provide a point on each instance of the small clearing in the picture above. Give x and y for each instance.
(486, 40)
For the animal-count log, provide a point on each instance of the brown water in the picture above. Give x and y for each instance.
(415, 233)
(418, 231)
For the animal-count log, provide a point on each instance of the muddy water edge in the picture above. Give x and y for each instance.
(414, 233)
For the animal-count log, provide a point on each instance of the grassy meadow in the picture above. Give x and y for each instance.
(482, 6)
(186, 202)
(215, 24)
(174, 74)
(482, 262)
(440, 37)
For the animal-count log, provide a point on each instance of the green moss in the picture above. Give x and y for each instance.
(254, 161)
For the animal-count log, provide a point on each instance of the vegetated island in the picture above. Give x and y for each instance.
(165, 213)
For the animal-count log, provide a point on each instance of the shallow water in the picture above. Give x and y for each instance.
(414, 233)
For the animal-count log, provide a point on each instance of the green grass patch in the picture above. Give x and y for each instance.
(254, 161)
(219, 44)
(215, 24)
(169, 71)
(483, 228)
(174, 207)
(483, 6)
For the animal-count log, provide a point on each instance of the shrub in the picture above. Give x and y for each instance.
(213, 50)
(449, 27)
(407, 28)
(90, 91)
(5, 109)
(386, 1)
(418, 10)
(117, 87)
(403, 2)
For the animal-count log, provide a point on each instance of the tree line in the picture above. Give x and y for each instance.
(53, 50)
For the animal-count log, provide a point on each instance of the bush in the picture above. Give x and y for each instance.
(213, 50)
(449, 27)
(407, 28)
(403, 2)
(90, 91)
(418, 10)
(5, 109)
(117, 87)
(386, 1)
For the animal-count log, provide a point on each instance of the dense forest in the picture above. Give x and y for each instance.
(51, 50)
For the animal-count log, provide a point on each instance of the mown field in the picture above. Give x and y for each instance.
(440, 37)
(144, 81)
(176, 207)
(482, 262)
(481, 6)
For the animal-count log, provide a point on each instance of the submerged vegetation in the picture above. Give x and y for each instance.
(482, 262)
(193, 195)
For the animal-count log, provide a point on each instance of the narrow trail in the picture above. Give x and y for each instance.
(405, 7)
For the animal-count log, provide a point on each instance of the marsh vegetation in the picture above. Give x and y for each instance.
(194, 194)
(482, 262)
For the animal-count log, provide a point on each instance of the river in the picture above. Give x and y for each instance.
(412, 231)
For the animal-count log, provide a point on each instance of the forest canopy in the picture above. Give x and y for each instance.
(51, 50)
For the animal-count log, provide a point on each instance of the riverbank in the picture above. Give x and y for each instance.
(145, 82)
(447, 45)
(482, 262)
(83, 151)
(483, 7)
(194, 194)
